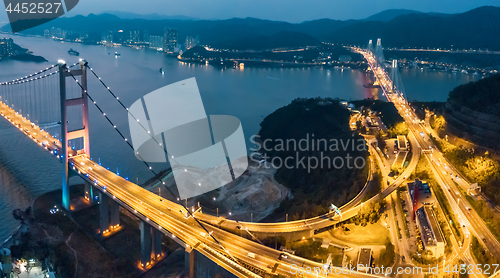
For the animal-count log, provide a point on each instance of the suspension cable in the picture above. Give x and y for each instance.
(31, 77)
(145, 163)
(130, 113)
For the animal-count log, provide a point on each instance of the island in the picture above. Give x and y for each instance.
(11, 50)
(317, 156)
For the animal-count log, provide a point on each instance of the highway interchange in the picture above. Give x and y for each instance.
(232, 251)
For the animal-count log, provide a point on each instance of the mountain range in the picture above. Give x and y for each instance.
(477, 28)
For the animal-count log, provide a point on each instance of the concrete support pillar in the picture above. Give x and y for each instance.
(115, 213)
(145, 243)
(157, 237)
(89, 193)
(64, 131)
(189, 262)
(103, 212)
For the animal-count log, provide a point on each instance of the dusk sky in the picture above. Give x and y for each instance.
(285, 10)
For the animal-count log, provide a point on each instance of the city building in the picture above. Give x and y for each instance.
(420, 195)
(170, 40)
(192, 42)
(156, 42)
(430, 232)
(107, 37)
(145, 36)
(134, 37)
(6, 47)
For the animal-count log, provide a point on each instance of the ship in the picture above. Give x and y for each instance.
(117, 54)
(374, 85)
(73, 52)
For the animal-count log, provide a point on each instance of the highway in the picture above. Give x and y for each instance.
(230, 252)
(451, 51)
(460, 205)
(466, 215)
(349, 210)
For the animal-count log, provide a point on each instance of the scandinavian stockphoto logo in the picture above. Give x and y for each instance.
(205, 152)
(26, 14)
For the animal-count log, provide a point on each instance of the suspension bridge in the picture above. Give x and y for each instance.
(37, 104)
(40, 104)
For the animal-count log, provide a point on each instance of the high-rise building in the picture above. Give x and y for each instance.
(107, 37)
(156, 42)
(145, 36)
(192, 41)
(134, 37)
(6, 47)
(169, 40)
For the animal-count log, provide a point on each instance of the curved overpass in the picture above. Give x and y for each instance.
(349, 210)
(225, 249)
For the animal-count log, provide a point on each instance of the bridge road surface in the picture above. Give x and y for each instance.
(169, 217)
(349, 210)
(462, 208)
(449, 186)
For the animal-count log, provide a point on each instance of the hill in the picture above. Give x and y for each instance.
(481, 96)
(295, 146)
(472, 29)
(472, 112)
(397, 28)
(286, 39)
(389, 15)
(153, 16)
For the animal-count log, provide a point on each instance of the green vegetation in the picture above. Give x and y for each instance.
(371, 213)
(398, 129)
(387, 255)
(482, 256)
(371, 234)
(446, 230)
(312, 250)
(199, 53)
(424, 172)
(481, 96)
(388, 112)
(420, 107)
(21, 54)
(400, 205)
(316, 188)
(396, 218)
(480, 168)
(485, 170)
(437, 122)
(375, 185)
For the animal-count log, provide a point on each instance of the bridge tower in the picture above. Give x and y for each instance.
(379, 53)
(397, 83)
(74, 134)
(370, 46)
(394, 75)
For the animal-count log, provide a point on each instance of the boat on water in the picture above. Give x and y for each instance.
(73, 52)
(117, 54)
(373, 85)
(161, 71)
